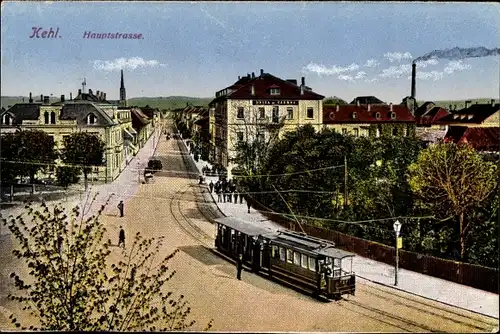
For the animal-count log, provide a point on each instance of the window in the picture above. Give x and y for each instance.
(275, 91)
(310, 112)
(275, 252)
(239, 136)
(46, 117)
(276, 114)
(53, 118)
(261, 137)
(344, 131)
(289, 255)
(262, 112)
(393, 115)
(377, 115)
(312, 264)
(304, 261)
(296, 258)
(394, 131)
(354, 115)
(241, 112)
(91, 119)
(282, 254)
(289, 112)
(65, 138)
(355, 132)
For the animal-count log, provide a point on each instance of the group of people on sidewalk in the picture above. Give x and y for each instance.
(227, 192)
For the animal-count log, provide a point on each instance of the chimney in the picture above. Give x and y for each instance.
(413, 79)
(467, 103)
(390, 107)
(41, 97)
(62, 98)
(338, 107)
(303, 81)
(261, 72)
(97, 94)
(79, 92)
(46, 99)
(492, 102)
(90, 92)
(71, 96)
(369, 107)
(253, 75)
(104, 96)
(31, 99)
(252, 90)
(239, 77)
(248, 75)
(357, 102)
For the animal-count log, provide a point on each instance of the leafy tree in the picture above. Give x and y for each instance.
(76, 286)
(453, 179)
(66, 175)
(84, 150)
(34, 150)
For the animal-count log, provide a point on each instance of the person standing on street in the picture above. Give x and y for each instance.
(121, 238)
(235, 196)
(248, 203)
(211, 186)
(241, 198)
(120, 207)
(239, 266)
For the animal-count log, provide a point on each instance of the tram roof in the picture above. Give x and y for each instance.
(311, 244)
(246, 227)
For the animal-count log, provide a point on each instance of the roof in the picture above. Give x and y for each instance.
(475, 114)
(430, 115)
(482, 139)
(138, 118)
(79, 111)
(24, 111)
(367, 100)
(242, 89)
(246, 227)
(360, 114)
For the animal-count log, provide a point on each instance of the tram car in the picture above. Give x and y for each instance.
(310, 264)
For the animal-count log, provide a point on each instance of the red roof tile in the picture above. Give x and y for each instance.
(262, 85)
(482, 139)
(360, 114)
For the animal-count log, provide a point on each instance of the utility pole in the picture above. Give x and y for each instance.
(345, 182)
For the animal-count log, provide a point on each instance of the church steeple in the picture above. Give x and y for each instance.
(123, 95)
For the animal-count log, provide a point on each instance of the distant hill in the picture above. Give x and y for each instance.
(169, 102)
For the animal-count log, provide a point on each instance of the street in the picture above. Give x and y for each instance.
(173, 205)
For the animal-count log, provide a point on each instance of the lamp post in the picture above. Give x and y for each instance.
(397, 229)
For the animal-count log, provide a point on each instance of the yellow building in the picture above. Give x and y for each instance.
(260, 108)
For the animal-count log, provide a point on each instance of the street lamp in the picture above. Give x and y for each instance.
(397, 229)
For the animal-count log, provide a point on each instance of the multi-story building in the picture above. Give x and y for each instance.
(368, 116)
(260, 108)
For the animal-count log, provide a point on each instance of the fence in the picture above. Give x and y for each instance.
(476, 276)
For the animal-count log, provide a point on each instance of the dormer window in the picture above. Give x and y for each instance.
(91, 119)
(332, 115)
(393, 115)
(6, 119)
(377, 115)
(354, 115)
(275, 91)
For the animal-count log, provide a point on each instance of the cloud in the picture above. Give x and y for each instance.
(371, 80)
(334, 70)
(371, 63)
(434, 75)
(456, 66)
(425, 63)
(360, 75)
(395, 71)
(397, 56)
(345, 77)
(124, 63)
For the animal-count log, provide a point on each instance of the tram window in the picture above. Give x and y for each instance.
(296, 258)
(312, 264)
(289, 255)
(282, 254)
(304, 261)
(336, 262)
(275, 253)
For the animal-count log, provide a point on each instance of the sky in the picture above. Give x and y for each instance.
(197, 48)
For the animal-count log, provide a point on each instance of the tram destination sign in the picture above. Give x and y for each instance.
(275, 102)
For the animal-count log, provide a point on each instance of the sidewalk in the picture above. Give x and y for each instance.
(412, 282)
(123, 187)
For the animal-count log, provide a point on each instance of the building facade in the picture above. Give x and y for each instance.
(260, 108)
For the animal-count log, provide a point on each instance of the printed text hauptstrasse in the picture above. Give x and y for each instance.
(109, 35)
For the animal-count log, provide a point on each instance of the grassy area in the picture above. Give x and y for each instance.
(169, 102)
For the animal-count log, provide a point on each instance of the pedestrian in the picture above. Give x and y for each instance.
(211, 186)
(219, 195)
(248, 204)
(120, 207)
(235, 197)
(239, 266)
(121, 238)
(241, 198)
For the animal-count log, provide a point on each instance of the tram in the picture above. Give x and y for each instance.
(310, 264)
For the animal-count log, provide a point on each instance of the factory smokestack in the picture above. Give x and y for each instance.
(413, 79)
